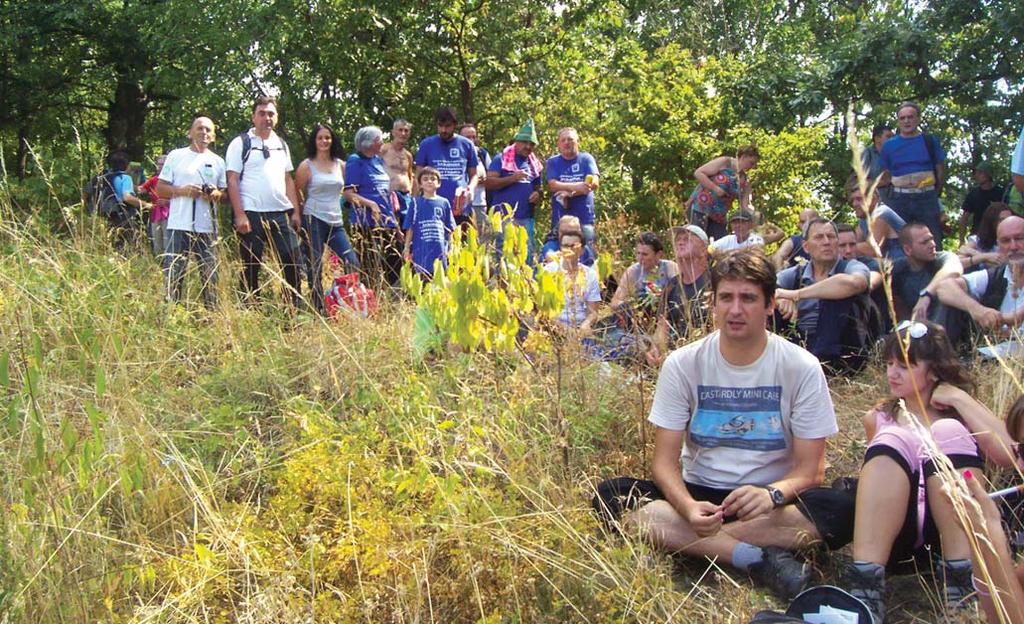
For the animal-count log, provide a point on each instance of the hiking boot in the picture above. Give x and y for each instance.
(958, 586)
(780, 572)
(869, 586)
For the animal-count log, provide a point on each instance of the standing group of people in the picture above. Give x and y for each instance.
(401, 206)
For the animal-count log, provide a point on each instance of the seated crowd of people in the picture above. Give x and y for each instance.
(744, 340)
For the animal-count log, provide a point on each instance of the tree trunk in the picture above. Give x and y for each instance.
(126, 119)
(466, 99)
(22, 155)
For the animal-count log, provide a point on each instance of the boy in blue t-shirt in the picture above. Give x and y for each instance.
(428, 225)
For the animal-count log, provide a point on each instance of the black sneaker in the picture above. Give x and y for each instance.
(869, 586)
(780, 572)
(959, 588)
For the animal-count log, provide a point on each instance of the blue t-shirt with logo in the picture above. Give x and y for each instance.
(451, 159)
(901, 155)
(432, 222)
(370, 180)
(516, 195)
(570, 171)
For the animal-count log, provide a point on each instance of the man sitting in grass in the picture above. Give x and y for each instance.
(749, 412)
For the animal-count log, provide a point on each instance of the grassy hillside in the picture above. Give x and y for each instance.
(165, 464)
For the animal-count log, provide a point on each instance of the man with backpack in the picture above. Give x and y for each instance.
(263, 198)
(914, 167)
(827, 298)
(111, 194)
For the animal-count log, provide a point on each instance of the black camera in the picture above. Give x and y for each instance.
(207, 190)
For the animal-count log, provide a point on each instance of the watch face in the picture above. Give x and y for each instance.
(778, 497)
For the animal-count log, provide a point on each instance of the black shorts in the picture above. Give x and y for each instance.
(906, 556)
(831, 511)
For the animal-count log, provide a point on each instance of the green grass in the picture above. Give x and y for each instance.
(165, 464)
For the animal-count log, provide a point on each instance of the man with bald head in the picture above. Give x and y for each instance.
(194, 178)
(994, 298)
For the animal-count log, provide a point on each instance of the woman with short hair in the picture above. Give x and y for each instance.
(376, 233)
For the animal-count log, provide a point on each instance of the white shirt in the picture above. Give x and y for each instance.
(263, 182)
(977, 285)
(183, 167)
(728, 243)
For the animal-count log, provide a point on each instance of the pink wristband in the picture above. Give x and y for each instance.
(975, 581)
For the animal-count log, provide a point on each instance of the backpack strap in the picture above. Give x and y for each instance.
(930, 143)
(246, 148)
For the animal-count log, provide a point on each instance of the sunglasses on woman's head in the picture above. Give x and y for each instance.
(914, 329)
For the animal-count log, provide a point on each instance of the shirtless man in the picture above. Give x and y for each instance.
(398, 163)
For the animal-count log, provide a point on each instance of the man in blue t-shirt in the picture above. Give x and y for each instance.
(112, 195)
(454, 156)
(914, 167)
(513, 181)
(572, 179)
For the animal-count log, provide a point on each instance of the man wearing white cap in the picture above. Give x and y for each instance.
(685, 303)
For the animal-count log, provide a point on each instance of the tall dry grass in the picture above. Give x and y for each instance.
(168, 464)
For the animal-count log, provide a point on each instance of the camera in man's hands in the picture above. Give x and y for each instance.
(207, 190)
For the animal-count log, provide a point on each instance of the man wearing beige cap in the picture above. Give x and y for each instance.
(742, 224)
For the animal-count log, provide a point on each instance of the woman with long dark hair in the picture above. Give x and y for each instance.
(980, 250)
(929, 417)
(319, 180)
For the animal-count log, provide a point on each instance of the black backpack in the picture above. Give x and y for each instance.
(100, 197)
(811, 601)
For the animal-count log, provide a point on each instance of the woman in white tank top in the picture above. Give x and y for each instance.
(319, 180)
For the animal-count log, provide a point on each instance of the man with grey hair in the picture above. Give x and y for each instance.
(264, 201)
(399, 164)
(827, 299)
(994, 298)
(914, 168)
(376, 234)
(572, 179)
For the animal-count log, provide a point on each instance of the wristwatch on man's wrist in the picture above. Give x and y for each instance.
(924, 293)
(778, 498)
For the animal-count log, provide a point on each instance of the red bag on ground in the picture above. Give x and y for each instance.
(349, 292)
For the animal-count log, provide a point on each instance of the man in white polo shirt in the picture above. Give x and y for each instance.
(263, 198)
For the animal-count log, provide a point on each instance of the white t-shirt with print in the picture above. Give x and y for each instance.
(740, 421)
(183, 167)
(263, 182)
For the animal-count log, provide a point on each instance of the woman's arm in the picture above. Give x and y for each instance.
(992, 555)
(989, 430)
(302, 175)
(708, 169)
